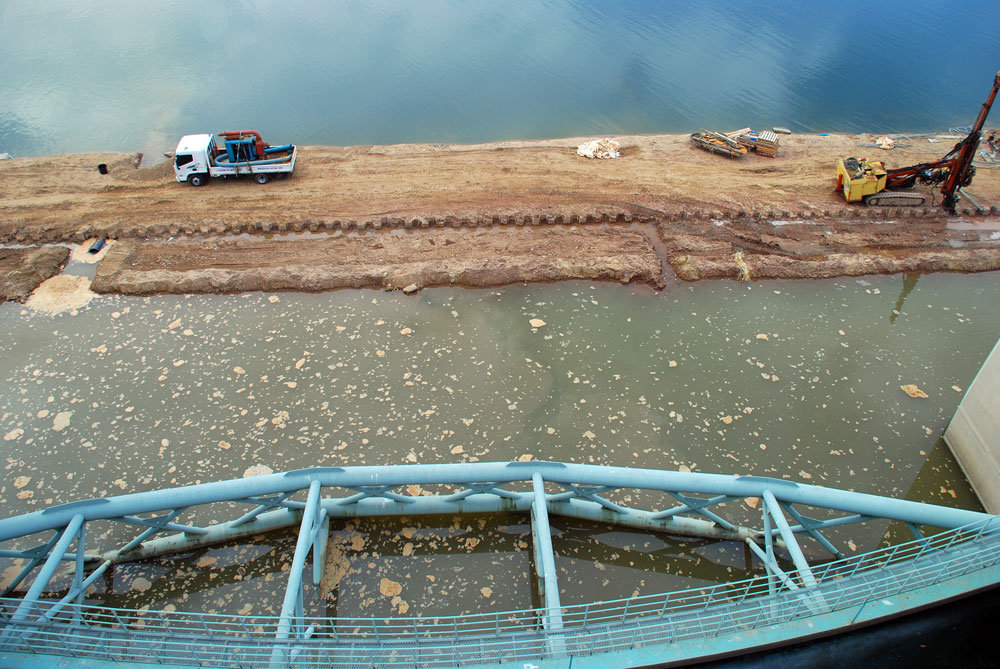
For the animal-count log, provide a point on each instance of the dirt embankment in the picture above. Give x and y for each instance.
(23, 269)
(388, 262)
(504, 212)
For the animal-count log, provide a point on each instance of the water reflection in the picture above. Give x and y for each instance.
(909, 283)
(384, 72)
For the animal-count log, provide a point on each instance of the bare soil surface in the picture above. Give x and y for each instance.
(698, 209)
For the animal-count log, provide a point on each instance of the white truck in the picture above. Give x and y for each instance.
(232, 153)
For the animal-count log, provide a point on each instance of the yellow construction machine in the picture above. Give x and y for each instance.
(860, 179)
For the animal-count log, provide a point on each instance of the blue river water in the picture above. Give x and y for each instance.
(133, 76)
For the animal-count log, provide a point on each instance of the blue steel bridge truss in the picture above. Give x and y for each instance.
(953, 552)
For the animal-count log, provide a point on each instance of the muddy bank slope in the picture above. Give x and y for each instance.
(22, 270)
(389, 262)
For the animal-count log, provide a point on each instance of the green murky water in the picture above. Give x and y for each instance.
(789, 379)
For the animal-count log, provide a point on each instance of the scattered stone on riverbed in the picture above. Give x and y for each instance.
(61, 421)
(257, 470)
(389, 588)
(467, 373)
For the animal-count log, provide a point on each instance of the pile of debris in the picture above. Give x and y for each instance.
(886, 143)
(764, 142)
(599, 148)
(989, 154)
(738, 142)
(717, 142)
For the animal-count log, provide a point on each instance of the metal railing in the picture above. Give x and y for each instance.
(607, 626)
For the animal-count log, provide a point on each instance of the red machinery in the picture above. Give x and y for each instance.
(871, 182)
(955, 169)
(240, 134)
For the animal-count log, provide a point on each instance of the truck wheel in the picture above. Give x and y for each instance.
(198, 179)
(262, 178)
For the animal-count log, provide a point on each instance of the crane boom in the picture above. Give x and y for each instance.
(862, 180)
(962, 171)
(955, 169)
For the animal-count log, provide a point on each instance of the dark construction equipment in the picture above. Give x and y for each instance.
(716, 142)
(867, 180)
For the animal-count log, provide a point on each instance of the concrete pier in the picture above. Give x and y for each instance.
(974, 433)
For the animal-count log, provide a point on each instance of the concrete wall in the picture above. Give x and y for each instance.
(974, 433)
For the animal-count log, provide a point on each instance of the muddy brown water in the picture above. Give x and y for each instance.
(797, 379)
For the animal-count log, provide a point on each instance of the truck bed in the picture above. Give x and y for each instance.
(257, 167)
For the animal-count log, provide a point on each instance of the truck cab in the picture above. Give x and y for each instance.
(191, 159)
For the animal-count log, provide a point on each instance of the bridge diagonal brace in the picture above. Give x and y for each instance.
(77, 592)
(545, 561)
(791, 545)
(80, 584)
(81, 541)
(917, 534)
(697, 505)
(814, 601)
(35, 556)
(153, 526)
(45, 574)
(290, 623)
(263, 504)
(366, 491)
(811, 526)
(590, 493)
(168, 526)
(772, 565)
(832, 522)
(321, 537)
(576, 490)
(479, 489)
